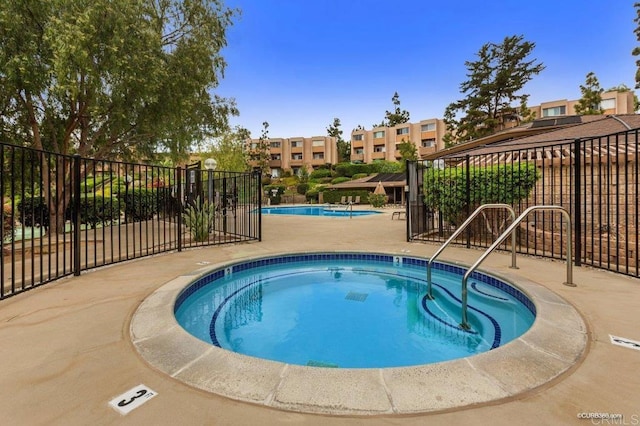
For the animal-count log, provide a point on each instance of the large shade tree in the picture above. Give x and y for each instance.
(493, 90)
(111, 78)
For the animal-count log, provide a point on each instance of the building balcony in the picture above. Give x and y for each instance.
(318, 161)
(318, 149)
(378, 155)
(275, 163)
(357, 157)
(357, 144)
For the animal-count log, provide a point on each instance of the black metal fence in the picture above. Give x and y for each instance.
(65, 214)
(595, 180)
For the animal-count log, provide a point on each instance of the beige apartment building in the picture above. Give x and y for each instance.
(295, 153)
(381, 143)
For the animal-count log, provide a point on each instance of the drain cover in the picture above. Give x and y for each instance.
(358, 297)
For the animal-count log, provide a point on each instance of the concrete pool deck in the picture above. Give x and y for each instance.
(67, 349)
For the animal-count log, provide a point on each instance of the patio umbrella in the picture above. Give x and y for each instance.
(380, 189)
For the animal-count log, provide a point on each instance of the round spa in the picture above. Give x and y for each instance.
(353, 333)
(350, 310)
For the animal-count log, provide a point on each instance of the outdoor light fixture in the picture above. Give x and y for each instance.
(210, 164)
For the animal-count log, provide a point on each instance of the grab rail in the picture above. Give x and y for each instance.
(461, 228)
(464, 324)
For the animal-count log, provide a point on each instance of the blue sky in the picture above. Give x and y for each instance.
(297, 64)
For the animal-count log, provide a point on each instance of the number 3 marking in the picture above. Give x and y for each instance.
(124, 402)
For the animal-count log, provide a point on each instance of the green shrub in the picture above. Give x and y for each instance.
(377, 200)
(199, 218)
(320, 173)
(33, 211)
(96, 210)
(340, 179)
(384, 166)
(359, 176)
(350, 169)
(312, 195)
(302, 188)
(139, 204)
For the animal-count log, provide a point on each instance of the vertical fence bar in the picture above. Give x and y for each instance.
(178, 174)
(577, 209)
(468, 200)
(76, 214)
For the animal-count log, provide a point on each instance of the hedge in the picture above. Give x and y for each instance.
(446, 190)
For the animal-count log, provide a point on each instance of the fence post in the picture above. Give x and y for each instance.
(179, 196)
(76, 214)
(468, 200)
(257, 172)
(577, 208)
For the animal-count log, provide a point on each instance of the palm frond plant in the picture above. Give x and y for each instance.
(199, 218)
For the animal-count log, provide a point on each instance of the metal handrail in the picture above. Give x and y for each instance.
(464, 324)
(459, 231)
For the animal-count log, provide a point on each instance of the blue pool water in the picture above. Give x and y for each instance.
(318, 211)
(350, 310)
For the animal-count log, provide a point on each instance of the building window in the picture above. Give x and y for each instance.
(296, 144)
(275, 157)
(379, 134)
(428, 143)
(275, 173)
(318, 156)
(608, 103)
(359, 151)
(275, 144)
(296, 156)
(552, 112)
(379, 148)
(254, 145)
(428, 127)
(317, 143)
(358, 137)
(403, 131)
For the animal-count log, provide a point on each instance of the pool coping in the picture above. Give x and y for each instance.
(556, 342)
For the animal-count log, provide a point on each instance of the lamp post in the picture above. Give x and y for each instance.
(127, 181)
(210, 164)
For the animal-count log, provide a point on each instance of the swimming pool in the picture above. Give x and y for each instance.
(318, 211)
(350, 310)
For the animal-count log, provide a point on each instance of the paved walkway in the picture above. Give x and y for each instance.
(66, 349)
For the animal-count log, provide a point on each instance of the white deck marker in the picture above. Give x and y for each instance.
(131, 399)
(627, 343)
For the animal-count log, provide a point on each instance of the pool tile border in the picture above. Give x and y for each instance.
(534, 359)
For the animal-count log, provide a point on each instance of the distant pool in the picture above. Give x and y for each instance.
(318, 211)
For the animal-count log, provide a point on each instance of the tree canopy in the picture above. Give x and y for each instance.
(591, 100)
(260, 152)
(343, 147)
(395, 117)
(112, 78)
(494, 85)
(229, 150)
(636, 50)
